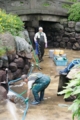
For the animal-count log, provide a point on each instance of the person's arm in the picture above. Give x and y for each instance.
(45, 39)
(28, 93)
(35, 37)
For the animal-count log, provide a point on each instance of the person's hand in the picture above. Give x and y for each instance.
(26, 100)
(45, 45)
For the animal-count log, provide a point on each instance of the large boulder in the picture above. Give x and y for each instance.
(8, 43)
(23, 47)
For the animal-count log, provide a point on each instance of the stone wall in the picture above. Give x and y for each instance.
(18, 63)
(63, 34)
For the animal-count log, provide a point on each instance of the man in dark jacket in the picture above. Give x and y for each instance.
(38, 82)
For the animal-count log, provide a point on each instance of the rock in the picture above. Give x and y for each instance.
(2, 75)
(71, 24)
(10, 75)
(58, 27)
(11, 57)
(17, 74)
(1, 63)
(69, 45)
(77, 35)
(76, 46)
(66, 34)
(77, 27)
(69, 29)
(62, 44)
(72, 34)
(13, 67)
(64, 22)
(58, 38)
(7, 41)
(5, 62)
(78, 40)
(65, 39)
(72, 39)
(26, 68)
(56, 44)
(3, 93)
(19, 62)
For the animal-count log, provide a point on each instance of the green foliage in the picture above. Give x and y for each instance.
(2, 52)
(73, 88)
(66, 6)
(74, 12)
(9, 22)
(72, 0)
(46, 4)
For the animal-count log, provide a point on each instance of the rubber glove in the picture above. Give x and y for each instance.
(45, 45)
(26, 100)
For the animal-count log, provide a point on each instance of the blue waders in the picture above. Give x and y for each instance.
(40, 86)
(72, 64)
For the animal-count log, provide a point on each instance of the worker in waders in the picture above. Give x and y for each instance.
(37, 82)
(40, 40)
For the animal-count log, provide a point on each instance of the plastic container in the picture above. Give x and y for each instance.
(51, 52)
(56, 52)
(59, 61)
(61, 52)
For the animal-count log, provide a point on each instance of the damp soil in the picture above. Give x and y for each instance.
(53, 107)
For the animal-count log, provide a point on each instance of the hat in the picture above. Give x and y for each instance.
(40, 28)
(24, 76)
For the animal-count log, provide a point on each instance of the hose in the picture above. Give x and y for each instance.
(20, 95)
(27, 105)
(25, 112)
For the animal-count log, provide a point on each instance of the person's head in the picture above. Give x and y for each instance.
(40, 29)
(24, 78)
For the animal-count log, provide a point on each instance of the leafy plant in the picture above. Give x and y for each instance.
(73, 89)
(9, 22)
(74, 12)
(67, 5)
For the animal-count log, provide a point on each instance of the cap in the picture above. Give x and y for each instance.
(24, 76)
(40, 28)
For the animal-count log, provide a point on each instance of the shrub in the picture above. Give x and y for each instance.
(73, 89)
(9, 22)
(74, 12)
(67, 5)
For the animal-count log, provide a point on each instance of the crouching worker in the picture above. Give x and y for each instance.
(37, 82)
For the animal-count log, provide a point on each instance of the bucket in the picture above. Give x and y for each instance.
(51, 52)
(56, 52)
(61, 52)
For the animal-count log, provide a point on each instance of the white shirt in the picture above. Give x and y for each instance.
(37, 35)
(31, 79)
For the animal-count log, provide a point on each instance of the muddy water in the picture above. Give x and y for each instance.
(53, 107)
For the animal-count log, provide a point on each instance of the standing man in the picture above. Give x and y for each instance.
(38, 82)
(40, 40)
